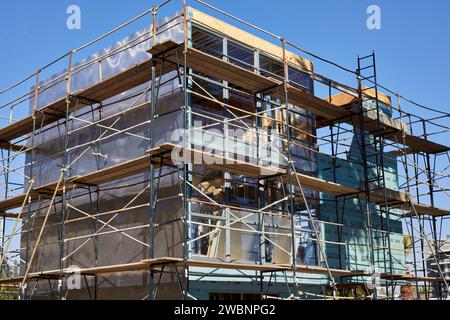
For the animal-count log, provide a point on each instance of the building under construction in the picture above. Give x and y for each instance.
(204, 159)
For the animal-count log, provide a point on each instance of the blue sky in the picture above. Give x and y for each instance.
(413, 46)
(414, 35)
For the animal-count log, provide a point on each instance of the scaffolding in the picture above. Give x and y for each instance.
(99, 165)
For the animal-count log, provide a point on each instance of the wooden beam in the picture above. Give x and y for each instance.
(108, 88)
(320, 185)
(220, 69)
(113, 173)
(6, 145)
(216, 161)
(8, 215)
(421, 145)
(394, 198)
(250, 40)
(412, 278)
(119, 171)
(424, 210)
(401, 152)
(216, 264)
(429, 279)
(160, 48)
(127, 267)
(16, 201)
(314, 104)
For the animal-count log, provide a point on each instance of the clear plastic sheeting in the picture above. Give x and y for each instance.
(132, 110)
(101, 136)
(111, 61)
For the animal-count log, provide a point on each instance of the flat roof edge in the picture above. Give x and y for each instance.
(247, 38)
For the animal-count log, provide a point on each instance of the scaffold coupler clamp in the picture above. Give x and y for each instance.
(408, 196)
(22, 289)
(60, 284)
(332, 284)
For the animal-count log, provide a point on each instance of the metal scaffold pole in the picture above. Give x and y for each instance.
(152, 206)
(436, 241)
(291, 192)
(66, 175)
(366, 190)
(186, 167)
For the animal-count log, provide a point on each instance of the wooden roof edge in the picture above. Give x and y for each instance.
(344, 99)
(248, 39)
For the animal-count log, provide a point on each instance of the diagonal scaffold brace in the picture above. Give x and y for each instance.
(41, 232)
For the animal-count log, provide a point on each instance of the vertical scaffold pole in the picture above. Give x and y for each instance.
(419, 219)
(152, 207)
(381, 168)
(431, 195)
(292, 171)
(186, 178)
(34, 115)
(291, 192)
(33, 153)
(408, 190)
(366, 171)
(64, 208)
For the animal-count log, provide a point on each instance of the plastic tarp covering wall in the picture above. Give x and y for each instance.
(111, 247)
(122, 55)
